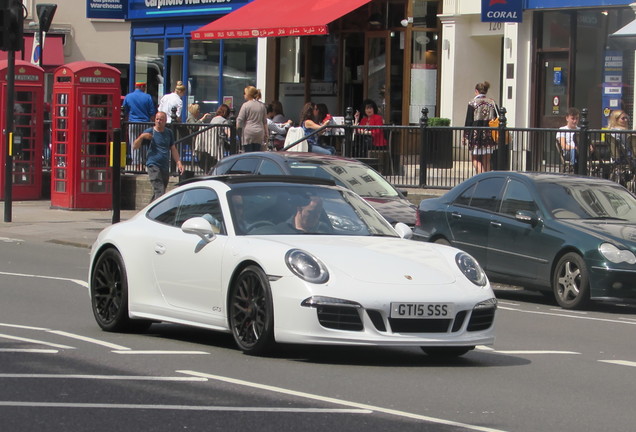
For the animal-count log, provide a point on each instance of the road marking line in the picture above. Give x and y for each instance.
(183, 407)
(158, 352)
(615, 321)
(536, 352)
(35, 341)
(106, 377)
(88, 339)
(339, 401)
(23, 327)
(500, 302)
(26, 350)
(620, 362)
(69, 335)
(574, 312)
(11, 240)
(77, 281)
(492, 350)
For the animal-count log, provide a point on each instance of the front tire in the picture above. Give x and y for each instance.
(109, 294)
(570, 282)
(252, 312)
(442, 241)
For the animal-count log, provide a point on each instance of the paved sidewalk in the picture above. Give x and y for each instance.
(37, 221)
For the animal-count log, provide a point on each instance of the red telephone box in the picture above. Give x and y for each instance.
(85, 109)
(28, 118)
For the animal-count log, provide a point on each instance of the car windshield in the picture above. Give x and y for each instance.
(588, 201)
(303, 209)
(355, 176)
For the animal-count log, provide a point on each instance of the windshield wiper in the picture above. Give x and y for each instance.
(605, 218)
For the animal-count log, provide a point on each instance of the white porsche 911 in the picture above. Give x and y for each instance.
(276, 259)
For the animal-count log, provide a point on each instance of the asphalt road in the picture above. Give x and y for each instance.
(549, 369)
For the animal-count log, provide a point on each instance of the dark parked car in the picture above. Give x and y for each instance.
(574, 236)
(349, 173)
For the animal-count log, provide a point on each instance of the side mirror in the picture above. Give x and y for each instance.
(403, 230)
(200, 227)
(528, 217)
(404, 192)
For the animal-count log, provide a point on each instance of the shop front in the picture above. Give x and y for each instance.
(332, 52)
(559, 55)
(341, 53)
(162, 53)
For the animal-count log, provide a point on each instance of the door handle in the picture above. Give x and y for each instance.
(456, 215)
(160, 249)
(495, 224)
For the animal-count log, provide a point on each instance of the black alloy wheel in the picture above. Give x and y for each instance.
(570, 282)
(109, 294)
(252, 312)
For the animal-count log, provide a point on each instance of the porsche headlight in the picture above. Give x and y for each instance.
(471, 269)
(306, 266)
(616, 255)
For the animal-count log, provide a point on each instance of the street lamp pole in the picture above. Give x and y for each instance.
(46, 12)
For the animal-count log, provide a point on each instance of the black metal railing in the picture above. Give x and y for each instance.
(416, 155)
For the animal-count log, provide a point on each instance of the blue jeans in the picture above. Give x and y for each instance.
(322, 150)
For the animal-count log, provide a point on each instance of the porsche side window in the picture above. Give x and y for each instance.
(203, 203)
(270, 168)
(487, 194)
(517, 197)
(166, 210)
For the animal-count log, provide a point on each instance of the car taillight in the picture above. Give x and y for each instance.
(417, 218)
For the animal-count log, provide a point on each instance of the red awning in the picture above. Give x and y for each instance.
(53, 50)
(266, 18)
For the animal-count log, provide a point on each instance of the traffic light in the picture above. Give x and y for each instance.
(11, 25)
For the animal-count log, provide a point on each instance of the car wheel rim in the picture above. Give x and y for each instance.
(569, 282)
(248, 310)
(107, 290)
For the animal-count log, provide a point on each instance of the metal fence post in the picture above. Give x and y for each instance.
(234, 145)
(348, 123)
(502, 154)
(582, 145)
(116, 170)
(424, 141)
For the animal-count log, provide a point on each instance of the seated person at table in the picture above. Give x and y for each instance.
(619, 121)
(567, 138)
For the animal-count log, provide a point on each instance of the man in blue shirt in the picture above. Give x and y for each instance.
(139, 108)
(158, 160)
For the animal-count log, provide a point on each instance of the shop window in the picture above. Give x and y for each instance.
(423, 74)
(556, 30)
(149, 60)
(204, 74)
(239, 69)
(425, 13)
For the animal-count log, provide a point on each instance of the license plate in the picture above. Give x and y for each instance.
(421, 310)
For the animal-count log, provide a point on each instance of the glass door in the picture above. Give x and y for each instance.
(174, 74)
(377, 79)
(554, 97)
(384, 73)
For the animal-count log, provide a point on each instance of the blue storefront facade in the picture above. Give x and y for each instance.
(162, 52)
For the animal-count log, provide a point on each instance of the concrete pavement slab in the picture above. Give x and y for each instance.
(37, 221)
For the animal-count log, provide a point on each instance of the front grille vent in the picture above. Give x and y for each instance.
(339, 317)
(481, 319)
